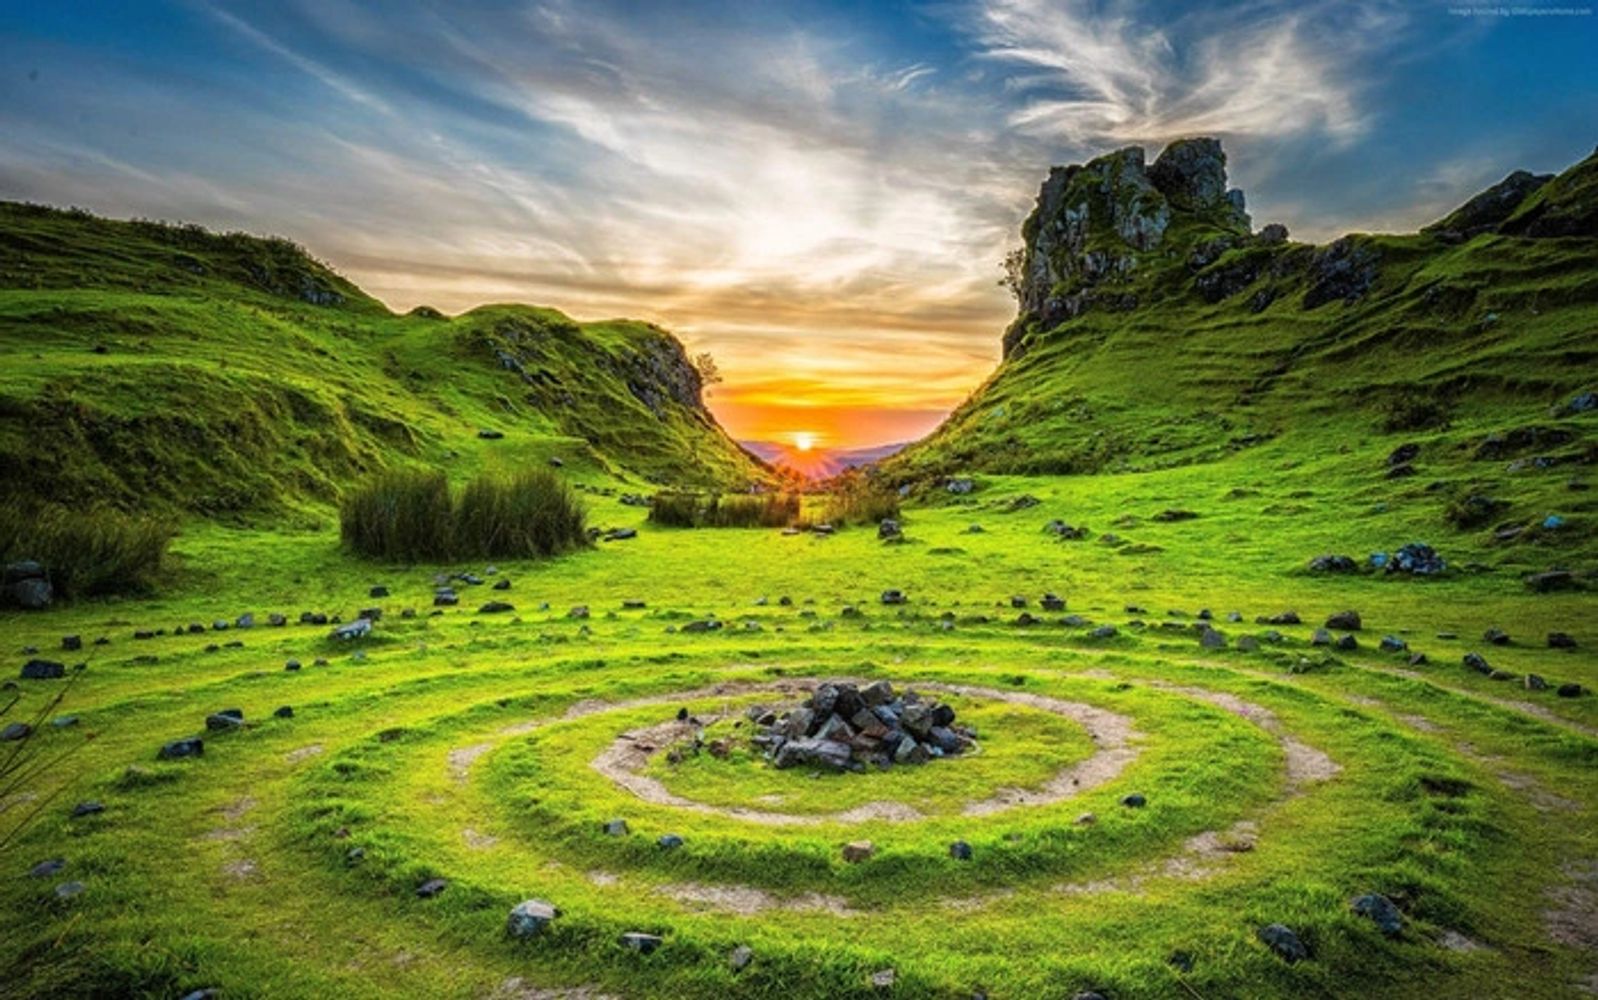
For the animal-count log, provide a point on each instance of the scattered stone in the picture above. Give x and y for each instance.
(69, 890)
(488, 434)
(176, 749)
(1052, 602)
(1211, 639)
(740, 958)
(27, 585)
(1571, 690)
(1381, 911)
(370, 614)
(1417, 559)
(857, 851)
(1559, 640)
(1347, 642)
(43, 670)
(357, 629)
(90, 807)
(888, 529)
(640, 942)
(579, 612)
(1173, 516)
(960, 851)
(894, 597)
(1320, 637)
(1087, 819)
(45, 869)
(378, 591)
(1393, 644)
(1496, 636)
(1478, 663)
(1104, 632)
(669, 842)
(284, 712)
(445, 597)
(502, 583)
(1283, 942)
(225, 721)
(1344, 621)
(529, 918)
(1134, 801)
(496, 607)
(15, 732)
(432, 887)
(1418, 660)
(72, 643)
(1534, 682)
(1285, 618)
(616, 828)
(1551, 580)
(1333, 564)
(883, 979)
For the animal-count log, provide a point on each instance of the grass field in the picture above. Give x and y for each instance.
(1280, 783)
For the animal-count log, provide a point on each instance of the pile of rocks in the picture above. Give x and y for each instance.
(845, 727)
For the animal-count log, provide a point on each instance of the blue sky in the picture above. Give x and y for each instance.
(817, 192)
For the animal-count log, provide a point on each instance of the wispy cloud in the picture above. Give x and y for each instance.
(1095, 73)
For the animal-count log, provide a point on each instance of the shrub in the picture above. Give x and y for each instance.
(404, 515)
(409, 515)
(526, 514)
(737, 510)
(88, 553)
(860, 499)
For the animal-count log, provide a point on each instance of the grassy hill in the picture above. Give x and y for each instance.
(1156, 330)
(153, 366)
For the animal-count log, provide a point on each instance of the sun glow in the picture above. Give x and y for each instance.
(804, 440)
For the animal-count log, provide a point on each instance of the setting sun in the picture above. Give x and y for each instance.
(804, 440)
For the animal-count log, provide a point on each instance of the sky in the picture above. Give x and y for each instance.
(817, 192)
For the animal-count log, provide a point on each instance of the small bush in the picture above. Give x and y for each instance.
(88, 553)
(408, 515)
(737, 510)
(404, 515)
(856, 498)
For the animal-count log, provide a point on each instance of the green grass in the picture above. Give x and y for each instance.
(87, 553)
(1452, 796)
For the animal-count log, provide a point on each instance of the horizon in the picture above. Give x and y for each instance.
(818, 197)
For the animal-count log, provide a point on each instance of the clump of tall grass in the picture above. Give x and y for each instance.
(673, 509)
(526, 514)
(734, 510)
(858, 498)
(404, 515)
(90, 552)
(410, 515)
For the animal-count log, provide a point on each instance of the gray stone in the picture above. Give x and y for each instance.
(740, 958)
(960, 851)
(1344, 621)
(357, 629)
(616, 828)
(176, 749)
(42, 670)
(640, 942)
(1134, 801)
(529, 918)
(45, 869)
(1283, 942)
(15, 732)
(432, 887)
(1381, 911)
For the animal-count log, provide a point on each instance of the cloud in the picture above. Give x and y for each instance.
(1100, 74)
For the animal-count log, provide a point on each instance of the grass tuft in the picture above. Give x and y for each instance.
(408, 515)
(96, 552)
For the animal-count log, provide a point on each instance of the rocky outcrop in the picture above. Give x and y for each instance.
(1486, 211)
(1095, 224)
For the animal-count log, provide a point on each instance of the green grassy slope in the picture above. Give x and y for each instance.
(155, 366)
(1213, 340)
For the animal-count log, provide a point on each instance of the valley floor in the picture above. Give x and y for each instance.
(1281, 782)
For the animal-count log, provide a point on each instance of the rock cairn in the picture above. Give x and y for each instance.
(844, 727)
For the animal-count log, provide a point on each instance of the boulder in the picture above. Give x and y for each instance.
(1281, 940)
(357, 629)
(43, 670)
(813, 752)
(1380, 911)
(640, 942)
(432, 887)
(1551, 580)
(177, 749)
(529, 918)
(857, 851)
(225, 721)
(1344, 621)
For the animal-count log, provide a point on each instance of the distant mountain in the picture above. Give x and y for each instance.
(820, 463)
